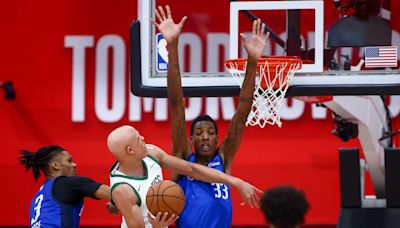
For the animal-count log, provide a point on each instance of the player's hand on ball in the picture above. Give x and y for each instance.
(249, 194)
(161, 220)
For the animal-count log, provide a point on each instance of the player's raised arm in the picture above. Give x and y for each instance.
(171, 31)
(200, 172)
(254, 48)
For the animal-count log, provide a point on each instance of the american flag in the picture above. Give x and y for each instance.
(381, 56)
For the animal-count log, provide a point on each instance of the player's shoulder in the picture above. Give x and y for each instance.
(155, 151)
(72, 180)
(153, 147)
(220, 155)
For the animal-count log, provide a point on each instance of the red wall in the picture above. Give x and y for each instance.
(33, 55)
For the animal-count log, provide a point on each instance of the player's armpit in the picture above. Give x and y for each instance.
(127, 202)
(231, 143)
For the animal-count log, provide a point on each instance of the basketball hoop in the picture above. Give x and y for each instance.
(272, 82)
(314, 99)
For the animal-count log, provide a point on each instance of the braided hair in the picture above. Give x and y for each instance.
(39, 160)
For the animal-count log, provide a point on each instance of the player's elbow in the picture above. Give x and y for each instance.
(103, 192)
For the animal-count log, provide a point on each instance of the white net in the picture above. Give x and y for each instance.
(271, 87)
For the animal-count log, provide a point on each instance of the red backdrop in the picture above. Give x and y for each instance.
(34, 56)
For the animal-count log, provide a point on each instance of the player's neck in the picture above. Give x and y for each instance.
(204, 160)
(52, 175)
(132, 168)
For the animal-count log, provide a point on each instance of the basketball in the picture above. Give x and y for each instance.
(165, 196)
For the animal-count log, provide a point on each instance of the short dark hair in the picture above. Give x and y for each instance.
(40, 159)
(284, 206)
(202, 118)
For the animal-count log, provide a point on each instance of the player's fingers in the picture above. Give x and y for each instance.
(164, 216)
(154, 22)
(159, 214)
(172, 218)
(169, 14)
(250, 202)
(243, 37)
(259, 27)
(182, 21)
(162, 13)
(262, 32)
(150, 216)
(255, 27)
(249, 198)
(158, 15)
(256, 200)
(258, 190)
(267, 35)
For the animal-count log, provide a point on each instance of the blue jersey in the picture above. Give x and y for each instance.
(207, 205)
(45, 211)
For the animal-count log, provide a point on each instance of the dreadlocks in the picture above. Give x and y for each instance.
(39, 160)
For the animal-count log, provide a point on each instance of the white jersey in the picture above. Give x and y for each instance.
(140, 184)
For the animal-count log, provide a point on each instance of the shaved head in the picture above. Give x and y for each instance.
(119, 140)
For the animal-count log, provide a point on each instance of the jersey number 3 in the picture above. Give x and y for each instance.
(38, 205)
(220, 191)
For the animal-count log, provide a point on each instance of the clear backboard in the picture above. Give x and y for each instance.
(341, 55)
(307, 28)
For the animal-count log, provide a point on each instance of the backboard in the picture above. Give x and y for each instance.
(211, 35)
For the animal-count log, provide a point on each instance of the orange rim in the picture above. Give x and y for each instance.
(270, 71)
(272, 62)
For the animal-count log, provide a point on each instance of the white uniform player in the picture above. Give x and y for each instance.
(139, 184)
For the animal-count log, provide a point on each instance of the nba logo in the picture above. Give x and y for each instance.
(162, 54)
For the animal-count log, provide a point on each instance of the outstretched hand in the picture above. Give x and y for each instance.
(256, 44)
(161, 220)
(166, 24)
(249, 194)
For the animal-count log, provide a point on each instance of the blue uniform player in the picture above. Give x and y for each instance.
(201, 197)
(207, 205)
(59, 201)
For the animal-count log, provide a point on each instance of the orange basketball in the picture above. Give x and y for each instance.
(165, 196)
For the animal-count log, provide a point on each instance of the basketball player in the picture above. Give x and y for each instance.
(284, 207)
(207, 205)
(138, 167)
(59, 202)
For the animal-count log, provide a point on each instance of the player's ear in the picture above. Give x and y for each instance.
(129, 149)
(55, 165)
